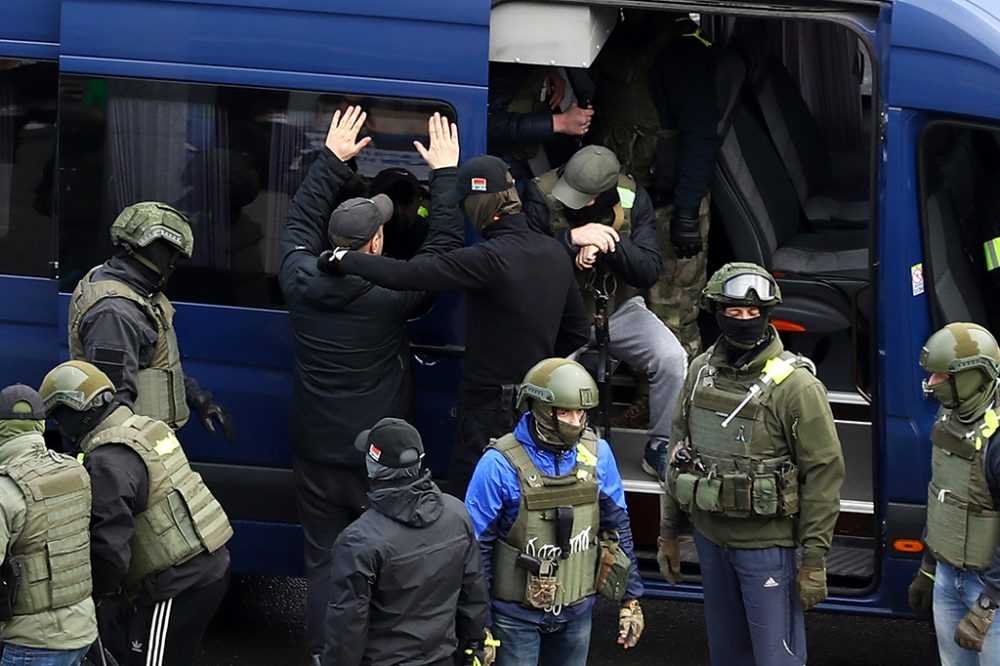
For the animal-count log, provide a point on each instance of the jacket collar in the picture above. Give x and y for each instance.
(755, 366)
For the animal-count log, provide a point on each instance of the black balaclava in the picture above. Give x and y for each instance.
(602, 210)
(73, 424)
(743, 333)
(160, 257)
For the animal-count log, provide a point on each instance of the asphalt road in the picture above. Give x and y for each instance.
(261, 624)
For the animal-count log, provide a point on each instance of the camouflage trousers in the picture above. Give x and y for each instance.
(675, 296)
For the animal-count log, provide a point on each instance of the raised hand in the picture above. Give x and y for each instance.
(342, 138)
(443, 151)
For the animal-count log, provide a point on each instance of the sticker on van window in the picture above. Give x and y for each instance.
(917, 279)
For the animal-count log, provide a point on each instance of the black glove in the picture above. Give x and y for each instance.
(920, 594)
(329, 261)
(473, 654)
(207, 408)
(684, 233)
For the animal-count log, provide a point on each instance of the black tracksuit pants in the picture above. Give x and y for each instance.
(169, 632)
(476, 427)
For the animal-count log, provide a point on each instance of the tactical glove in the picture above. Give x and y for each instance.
(812, 586)
(329, 262)
(920, 594)
(630, 623)
(972, 629)
(684, 233)
(668, 556)
(490, 646)
(208, 409)
(472, 654)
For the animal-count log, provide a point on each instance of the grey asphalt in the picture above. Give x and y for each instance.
(260, 624)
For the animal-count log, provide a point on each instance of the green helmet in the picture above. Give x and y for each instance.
(142, 223)
(740, 284)
(559, 383)
(967, 352)
(75, 384)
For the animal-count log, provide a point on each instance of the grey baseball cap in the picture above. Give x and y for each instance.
(591, 171)
(355, 221)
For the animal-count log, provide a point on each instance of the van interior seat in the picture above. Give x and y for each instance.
(758, 207)
(833, 193)
(730, 74)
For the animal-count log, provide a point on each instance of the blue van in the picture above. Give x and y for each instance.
(860, 163)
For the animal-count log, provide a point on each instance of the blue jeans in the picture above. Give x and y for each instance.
(18, 655)
(752, 606)
(954, 593)
(528, 644)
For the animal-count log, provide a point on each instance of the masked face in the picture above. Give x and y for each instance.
(969, 392)
(741, 331)
(160, 256)
(560, 434)
(601, 210)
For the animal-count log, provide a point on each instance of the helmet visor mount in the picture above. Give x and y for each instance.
(738, 287)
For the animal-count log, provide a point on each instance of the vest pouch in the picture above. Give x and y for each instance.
(613, 569)
(209, 519)
(946, 527)
(707, 494)
(982, 539)
(509, 580)
(765, 495)
(541, 591)
(685, 489)
(154, 388)
(736, 493)
(788, 486)
(164, 536)
(57, 577)
(575, 577)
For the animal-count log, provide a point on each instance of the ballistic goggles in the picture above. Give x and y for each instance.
(738, 287)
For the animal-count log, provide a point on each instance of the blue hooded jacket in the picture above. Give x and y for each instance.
(494, 496)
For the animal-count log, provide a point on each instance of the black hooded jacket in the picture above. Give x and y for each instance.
(352, 360)
(407, 584)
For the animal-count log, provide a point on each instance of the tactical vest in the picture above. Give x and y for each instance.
(737, 470)
(618, 291)
(51, 557)
(963, 529)
(160, 387)
(182, 518)
(527, 99)
(535, 532)
(629, 123)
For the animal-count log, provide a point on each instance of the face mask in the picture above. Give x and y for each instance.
(602, 210)
(161, 257)
(742, 333)
(482, 209)
(556, 434)
(969, 393)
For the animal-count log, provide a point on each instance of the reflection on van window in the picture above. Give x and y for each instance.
(229, 157)
(960, 172)
(27, 140)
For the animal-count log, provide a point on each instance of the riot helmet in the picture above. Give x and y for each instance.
(155, 234)
(77, 385)
(969, 355)
(553, 384)
(741, 284)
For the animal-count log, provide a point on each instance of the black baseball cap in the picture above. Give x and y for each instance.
(480, 175)
(391, 443)
(354, 222)
(21, 402)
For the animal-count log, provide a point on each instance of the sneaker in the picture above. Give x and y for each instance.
(654, 459)
(635, 416)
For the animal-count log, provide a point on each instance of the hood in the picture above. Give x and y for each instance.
(417, 502)
(333, 292)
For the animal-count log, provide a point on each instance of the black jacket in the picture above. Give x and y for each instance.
(636, 259)
(407, 583)
(523, 303)
(504, 127)
(352, 359)
(120, 486)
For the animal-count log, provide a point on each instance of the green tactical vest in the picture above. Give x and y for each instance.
(962, 527)
(160, 387)
(742, 472)
(182, 517)
(526, 100)
(618, 292)
(51, 557)
(534, 529)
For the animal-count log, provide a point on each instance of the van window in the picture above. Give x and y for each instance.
(27, 141)
(229, 157)
(960, 200)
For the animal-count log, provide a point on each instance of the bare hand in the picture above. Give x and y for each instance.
(586, 257)
(444, 143)
(574, 121)
(555, 86)
(599, 235)
(342, 139)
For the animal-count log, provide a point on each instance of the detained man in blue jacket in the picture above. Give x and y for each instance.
(539, 499)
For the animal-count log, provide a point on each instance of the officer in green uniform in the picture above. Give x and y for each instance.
(657, 110)
(158, 534)
(46, 609)
(605, 221)
(539, 499)
(757, 467)
(961, 568)
(120, 320)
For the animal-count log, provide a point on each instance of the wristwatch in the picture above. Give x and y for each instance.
(986, 603)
